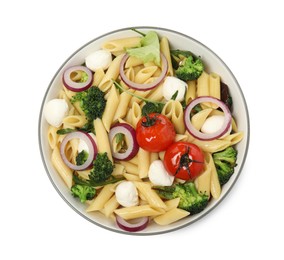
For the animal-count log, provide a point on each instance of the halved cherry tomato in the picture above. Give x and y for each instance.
(184, 160)
(155, 132)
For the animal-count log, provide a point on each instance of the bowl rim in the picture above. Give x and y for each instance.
(241, 165)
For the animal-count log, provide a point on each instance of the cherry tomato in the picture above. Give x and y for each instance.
(155, 132)
(184, 160)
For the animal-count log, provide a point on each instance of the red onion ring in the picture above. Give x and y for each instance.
(140, 224)
(93, 151)
(77, 86)
(143, 87)
(130, 134)
(202, 136)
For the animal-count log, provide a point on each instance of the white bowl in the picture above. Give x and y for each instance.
(178, 41)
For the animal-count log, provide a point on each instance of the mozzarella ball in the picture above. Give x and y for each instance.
(158, 174)
(100, 59)
(213, 124)
(171, 86)
(126, 194)
(55, 110)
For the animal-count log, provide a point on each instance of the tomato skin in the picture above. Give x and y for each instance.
(178, 167)
(156, 137)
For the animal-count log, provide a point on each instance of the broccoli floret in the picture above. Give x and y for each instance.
(225, 161)
(92, 102)
(190, 69)
(102, 168)
(82, 157)
(190, 199)
(187, 66)
(83, 192)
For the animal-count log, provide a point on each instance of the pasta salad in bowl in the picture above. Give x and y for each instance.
(143, 131)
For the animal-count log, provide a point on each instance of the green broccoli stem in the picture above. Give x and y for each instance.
(117, 85)
(192, 189)
(80, 181)
(110, 180)
(165, 192)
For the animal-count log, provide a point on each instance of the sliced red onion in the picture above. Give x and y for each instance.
(204, 136)
(93, 151)
(143, 87)
(140, 224)
(130, 134)
(77, 86)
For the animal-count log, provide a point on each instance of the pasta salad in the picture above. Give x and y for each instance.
(143, 133)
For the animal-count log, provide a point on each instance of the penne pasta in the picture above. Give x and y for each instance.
(110, 206)
(136, 212)
(203, 182)
(102, 142)
(121, 111)
(111, 108)
(75, 121)
(118, 46)
(154, 157)
(118, 169)
(98, 77)
(171, 216)
(64, 171)
(199, 118)
(111, 74)
(136, 114)
(215, 188)
(84, 174)
(52, 136)
(143, 163)
(133, 62)
(150, 195)
(130, 167)
(165, 49)
(174, 111)
(156, 94)
(203, 87)
(190, 92)
(173, 203)
(142, 94)
(214, 87)
(234, 138)
(144, 74)
(180, 138)
(134, 160)
(99, 202)
(131, 177)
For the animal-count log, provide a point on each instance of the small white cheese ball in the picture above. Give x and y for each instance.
(83, 146)
(171, 86)
(158, 174)
(213, 124)
(126, 194)
(55, 110)
(98, 59)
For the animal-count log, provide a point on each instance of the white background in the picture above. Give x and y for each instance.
(38, 36)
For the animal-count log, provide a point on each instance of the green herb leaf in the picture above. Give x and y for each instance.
(151, 107)
(174, 96)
